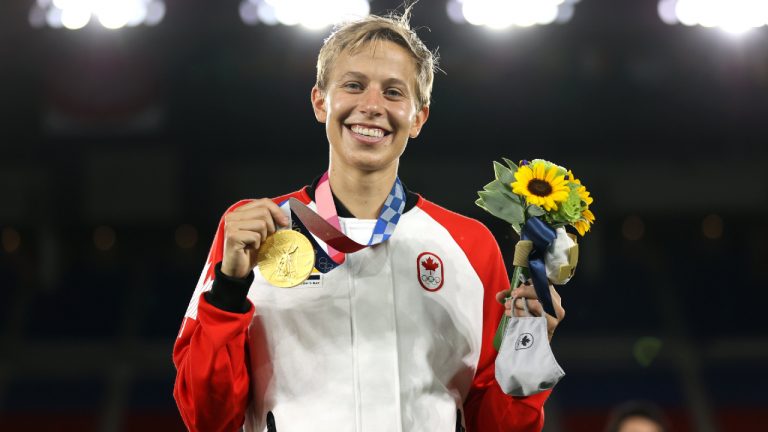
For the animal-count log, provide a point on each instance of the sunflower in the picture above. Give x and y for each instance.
(582, 190)
(541, 186)
(582, 227)
(585, 223)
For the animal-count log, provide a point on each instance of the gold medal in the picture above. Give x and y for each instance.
(286, 258)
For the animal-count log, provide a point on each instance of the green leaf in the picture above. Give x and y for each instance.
(535, 211)
(506, 189)
(503, 174)
(512, 166)
(479, 202)
(497, 204)
(494, 186)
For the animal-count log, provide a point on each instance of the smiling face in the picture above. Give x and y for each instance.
(369, 107)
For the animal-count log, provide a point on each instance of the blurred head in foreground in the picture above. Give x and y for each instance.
(637, 416)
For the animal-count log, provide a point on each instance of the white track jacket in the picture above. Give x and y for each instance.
(397, 338)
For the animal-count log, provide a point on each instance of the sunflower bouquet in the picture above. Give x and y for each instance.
(539, 198)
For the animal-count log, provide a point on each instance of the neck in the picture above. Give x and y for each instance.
(362, 193)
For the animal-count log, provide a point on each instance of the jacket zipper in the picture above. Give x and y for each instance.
(459, 427)
(271, 422)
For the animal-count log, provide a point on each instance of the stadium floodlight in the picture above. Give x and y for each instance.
(732, 16)
(502, 14)
(310, 14)
(111, 14)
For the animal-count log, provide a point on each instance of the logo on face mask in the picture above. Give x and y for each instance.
(524, 341)
(429, 270)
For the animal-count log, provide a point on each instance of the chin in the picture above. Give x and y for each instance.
(369, 166)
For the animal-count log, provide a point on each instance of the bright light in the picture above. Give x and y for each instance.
(114, 14)
(667, 11)
(732, 16)
(111, 14)
(310, 14)
(155, 13)
(53, 17)
(249, 12)
(75, 17)
(502, 14)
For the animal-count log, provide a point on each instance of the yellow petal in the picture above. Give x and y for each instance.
(579, 225)
(524, 174)
(551, 174)
(588, 215)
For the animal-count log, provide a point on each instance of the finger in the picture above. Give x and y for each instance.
(259, 202)
(277, 213)
(251, 213)
(557, 301)
(502, 295)
(258, 225)
(527, 291)
(552, 323)
(245, 239)
(534, 307)
(258, 213)
(537, 309)
(274, 210)
(517, 308)
(511, 311)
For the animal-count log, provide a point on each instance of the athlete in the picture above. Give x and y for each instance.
(394, 337)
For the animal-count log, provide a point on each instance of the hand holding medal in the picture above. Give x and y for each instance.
(285, 258)
(245, 229)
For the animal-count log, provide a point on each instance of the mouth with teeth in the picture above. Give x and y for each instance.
(367, 133)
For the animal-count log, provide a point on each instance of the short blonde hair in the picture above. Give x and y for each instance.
(354, 35)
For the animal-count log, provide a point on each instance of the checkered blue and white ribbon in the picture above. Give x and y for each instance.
(390, 214)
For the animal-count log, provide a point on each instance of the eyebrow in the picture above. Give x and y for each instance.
(361, 76)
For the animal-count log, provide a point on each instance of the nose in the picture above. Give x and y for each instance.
(372, 104)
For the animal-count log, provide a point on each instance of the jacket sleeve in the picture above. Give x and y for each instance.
(487, 408)
(210, 353)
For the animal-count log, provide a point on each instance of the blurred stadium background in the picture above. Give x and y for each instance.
(122, 142)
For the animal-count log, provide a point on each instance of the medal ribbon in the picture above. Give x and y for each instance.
(327, 228)
(327, 209)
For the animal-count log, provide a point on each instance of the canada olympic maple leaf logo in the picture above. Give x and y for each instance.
(524, 341)
(430, 265)
(430, 271)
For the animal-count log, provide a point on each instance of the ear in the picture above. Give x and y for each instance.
(318, 104)
(418, 123)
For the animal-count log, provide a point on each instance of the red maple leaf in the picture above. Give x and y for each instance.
(429, 264)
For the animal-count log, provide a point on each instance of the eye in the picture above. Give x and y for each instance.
(393, 92)
(353, 86)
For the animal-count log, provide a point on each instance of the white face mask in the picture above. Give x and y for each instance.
(525, 364)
